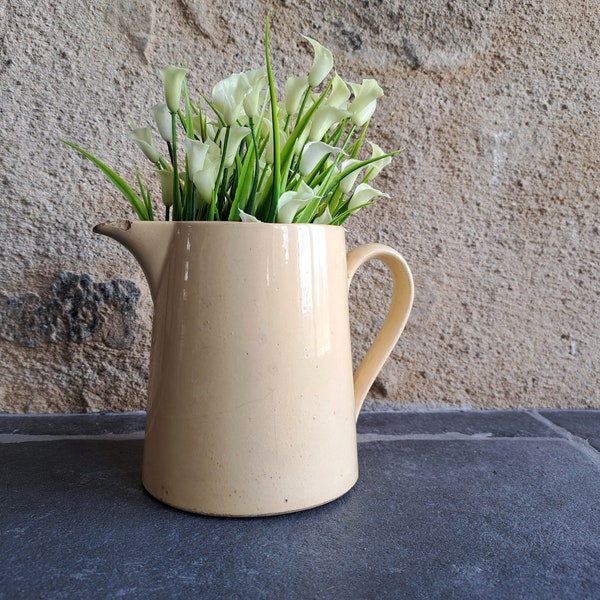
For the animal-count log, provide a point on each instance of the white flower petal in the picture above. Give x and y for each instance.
(339, 92)
(348, 181)
(162, 117)
(143, 138)
(363, 194)
(325, 218)
(323, 119)
(228, 97)
(365, 100)
(196, 154)
(312, 154)
(246, 218)
(291, 202)
(375, 168)
(322, 63)
(295, 88)
(172, 82)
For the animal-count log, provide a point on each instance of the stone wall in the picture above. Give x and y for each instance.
(494, 203)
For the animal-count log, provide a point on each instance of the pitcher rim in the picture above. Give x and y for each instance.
(126, 224)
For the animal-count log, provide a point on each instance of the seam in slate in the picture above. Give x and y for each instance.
(20, 438)
(362, 438)
(577, 442)
(366, 438)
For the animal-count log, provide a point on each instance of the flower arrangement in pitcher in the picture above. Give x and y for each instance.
(249, 157)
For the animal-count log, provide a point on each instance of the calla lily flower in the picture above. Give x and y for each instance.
(301, 141)
(365, 101)
(376, 167)
(325, 218)
(205, 158)
(172, 81)
(222, 151)
(162, 117)
(196, 154)
(143, 138)
(228, 97)
(291, 202)
(166, 186)
(348, 181)
(323, 119)
(254, 98)
(295, 88)
(340, 93)
(246, 218)
(312, 154)
(322, 63)
(363, 194)
(236, 135)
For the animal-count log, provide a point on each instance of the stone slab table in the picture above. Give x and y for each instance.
(500, 504)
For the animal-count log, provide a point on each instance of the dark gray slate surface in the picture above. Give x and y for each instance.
(585, 424)
(478, 516)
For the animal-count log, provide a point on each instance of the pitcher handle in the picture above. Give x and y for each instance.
(402, 299)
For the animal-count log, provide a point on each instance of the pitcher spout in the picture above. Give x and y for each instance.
(147, 241)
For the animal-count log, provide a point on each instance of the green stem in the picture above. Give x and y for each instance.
(256, 168)
(177, 209)
(214, 212)
(276, 145)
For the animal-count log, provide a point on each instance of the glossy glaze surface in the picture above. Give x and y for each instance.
(252, 403)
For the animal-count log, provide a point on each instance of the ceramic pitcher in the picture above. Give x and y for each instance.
(252, 401)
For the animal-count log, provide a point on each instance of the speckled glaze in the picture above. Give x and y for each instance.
(252, 400)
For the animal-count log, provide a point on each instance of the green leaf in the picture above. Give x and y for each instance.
(138, 205)
(356, 166)
(275, 122)
(145, 196)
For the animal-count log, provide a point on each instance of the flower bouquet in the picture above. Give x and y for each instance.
(243, 155)
(251, 381)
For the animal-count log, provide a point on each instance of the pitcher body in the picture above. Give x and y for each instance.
(252, 399)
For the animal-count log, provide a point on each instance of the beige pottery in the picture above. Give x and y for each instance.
(252, 400)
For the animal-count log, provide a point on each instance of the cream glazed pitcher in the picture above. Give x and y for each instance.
(252, 402)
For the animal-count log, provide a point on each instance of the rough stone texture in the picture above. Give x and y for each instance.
(494, 203)
(74, 310)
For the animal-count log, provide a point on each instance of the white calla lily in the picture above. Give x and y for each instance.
(162, 117)
(236, 135)
(289, 159)
(196, 154)
(340, 92)
(246, 218)
(142, 136)
(363, 194)
(205, 157)
(365, 101)
(323, 119)
(166, 186)
(172, 78)
(228, 97)
(312, 154)
(325, 218)
(375, 168)
(360, 118)
(301, 141)
(295, 88)
(291, 202)
(348, 181)
(254, 98)
(322, 63)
